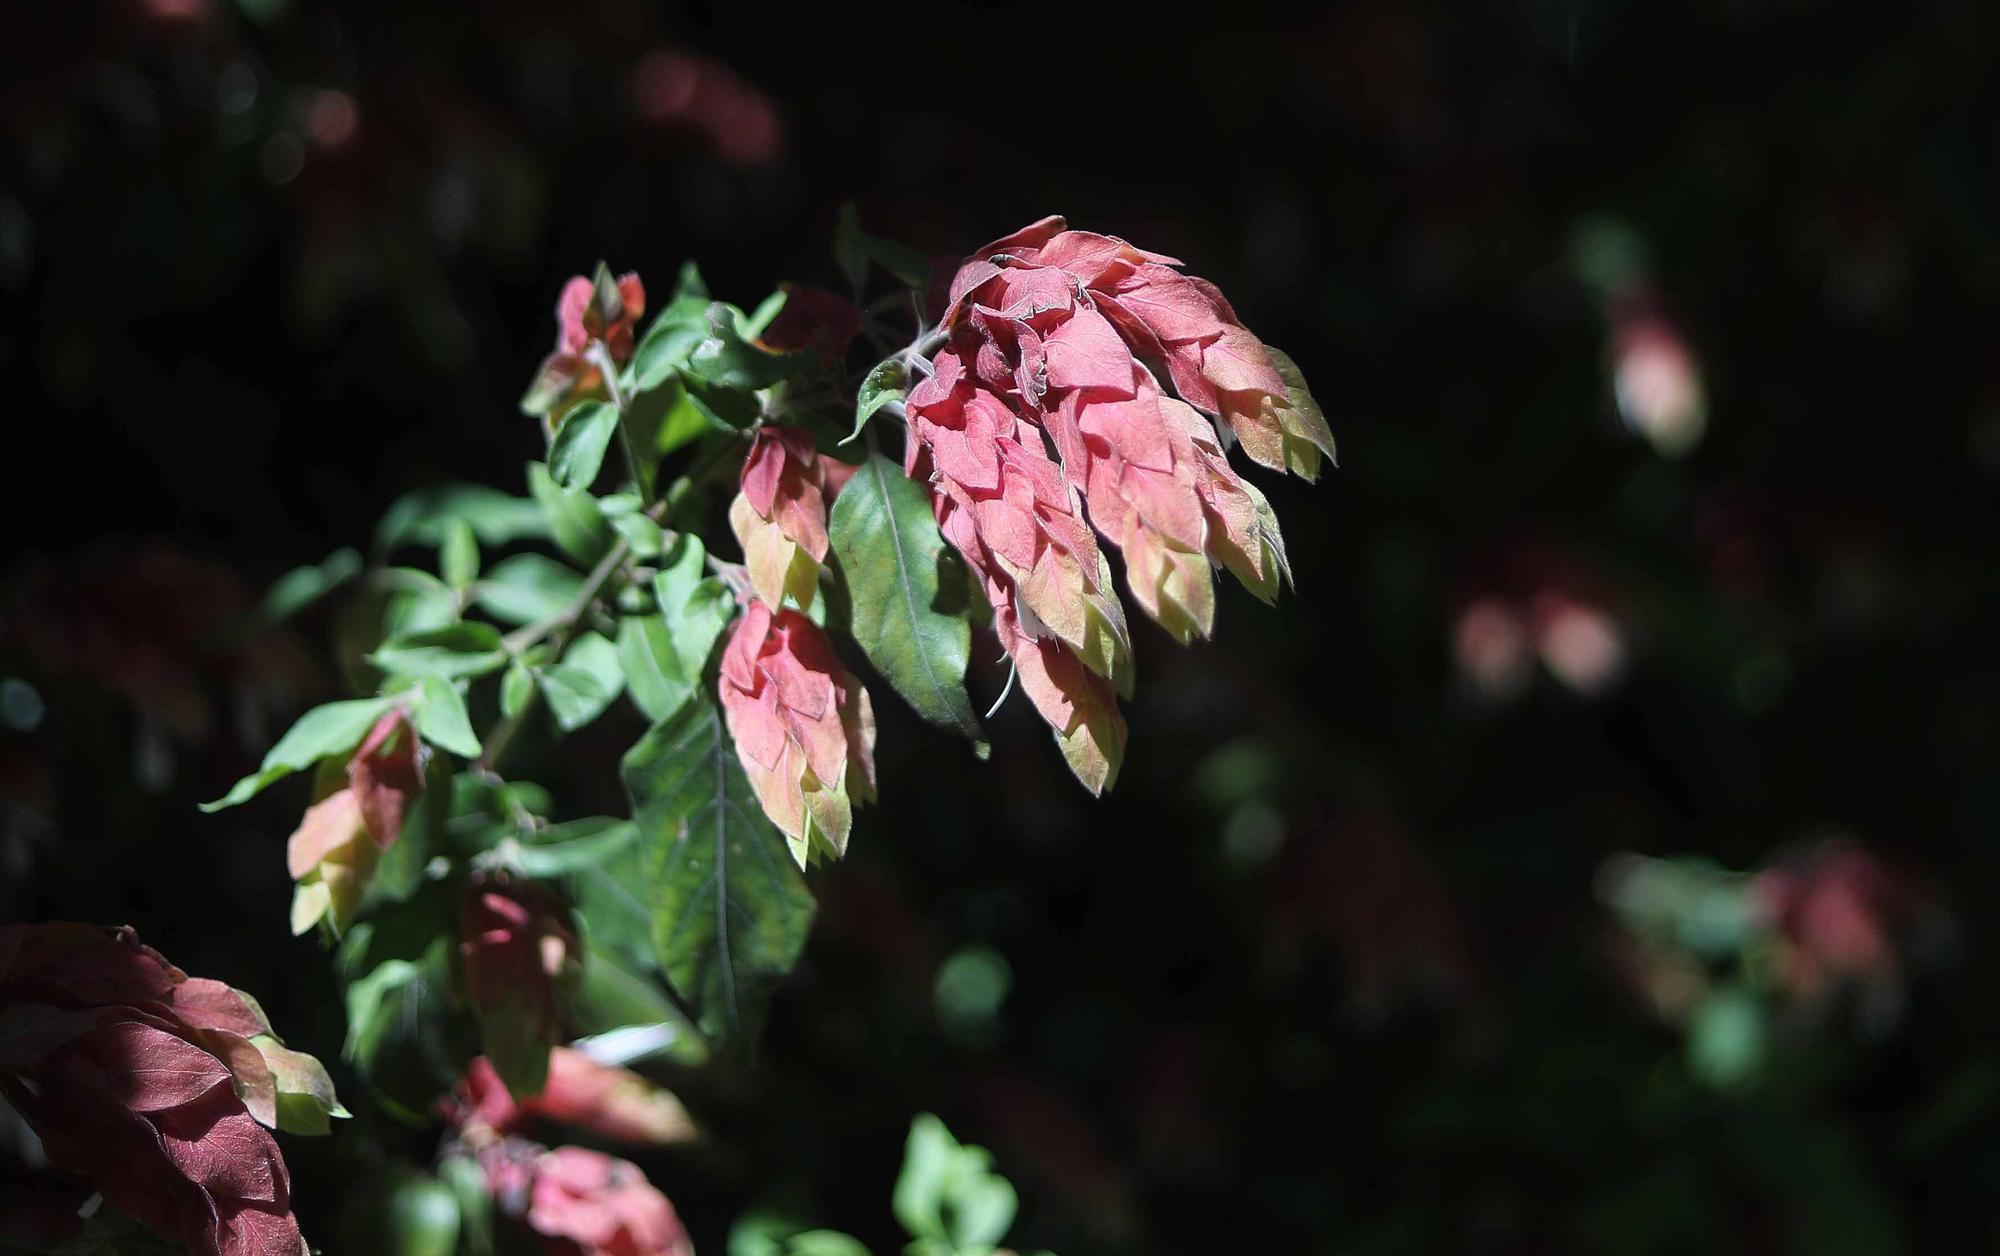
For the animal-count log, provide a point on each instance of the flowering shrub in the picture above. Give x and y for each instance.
(1049, 343)
(1074, 390)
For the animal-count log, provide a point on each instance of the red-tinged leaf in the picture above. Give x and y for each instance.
(1236, 361)
(329, 824)
(226, 1154)
(212, 1004)
(384, 774)
(1087, 352)
(1172, 305)
(150, 1070)
(93, 965)
(1032, 236)
(249, 1072)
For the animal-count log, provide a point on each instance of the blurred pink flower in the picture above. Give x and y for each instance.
(1657, 380)
(673, 87)
(518, 943)
(585, 1203)
(614, 1102)
(1842, 912)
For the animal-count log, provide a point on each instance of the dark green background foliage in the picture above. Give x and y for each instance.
(1327, 970)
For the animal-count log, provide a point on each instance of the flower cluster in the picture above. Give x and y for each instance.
(614, 1102)
(581, 1202)
(585, 1203)
(779, 514)
(804, 728)
(1845, 917)
(588, 313)
(332, 853)
(152, 1085)
(1044, 408)
(518, 943)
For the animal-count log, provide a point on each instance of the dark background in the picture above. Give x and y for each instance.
(1327, 970)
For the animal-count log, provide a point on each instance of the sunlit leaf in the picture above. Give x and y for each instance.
(577, 454)
(333, 729)
(442, 719)
(464, 649)
(575, 520)
(905, 596)
(302, 586)
(727, 359)
(497, 518)
(527, 589)
(885, 383)
(730, 909)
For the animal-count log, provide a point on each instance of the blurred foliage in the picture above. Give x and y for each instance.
(1327, 971)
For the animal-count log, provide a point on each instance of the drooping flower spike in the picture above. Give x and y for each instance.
(1045, 405)
(332, 854)
(518, 944)
(804, 727)
(779, 515)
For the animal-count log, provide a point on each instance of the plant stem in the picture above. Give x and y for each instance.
(641, 468)
(559, 628)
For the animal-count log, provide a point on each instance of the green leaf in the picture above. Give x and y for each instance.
(758, 321)
(653, 673)
(683, 422)
(728, 360)
(515, 687)
(1728, 1037)
(333, 729)
(302, 586)
(854, 249)
(401, 1212)
(497, 518)
(664, 656)
(886, 382)
(575, 520)
(574, 696)
(527, 589)
(645, 537)
(466, 1180)
(458, 556)
(612, 999)
(900, 260)
(442, 719)
(420, 602)
(464, 649)
(849, 253)
(892, 559)
(580, 844)
(680, 326)
(577, 454)
(586, 681)
(824, 1243)
(611, 901)
(730, 910)
(404, 1034)
(306, 1102)
(947, 1193)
